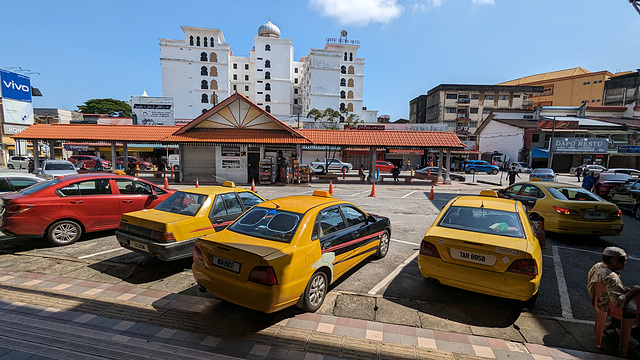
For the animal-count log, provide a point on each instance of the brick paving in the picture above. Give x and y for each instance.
(53, 317)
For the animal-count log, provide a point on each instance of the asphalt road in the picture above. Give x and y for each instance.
(566, 260)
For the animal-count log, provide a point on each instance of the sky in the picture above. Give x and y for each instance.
(80, 50)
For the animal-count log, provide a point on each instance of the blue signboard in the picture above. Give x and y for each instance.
(15, 86)
(629, 149)
(580, 145)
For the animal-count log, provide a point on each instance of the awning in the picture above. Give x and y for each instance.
(539, 153)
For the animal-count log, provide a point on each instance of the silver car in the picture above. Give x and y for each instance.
(18, 162)
(14, 181)
(52, 168)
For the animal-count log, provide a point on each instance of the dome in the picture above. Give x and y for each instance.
(269, 30)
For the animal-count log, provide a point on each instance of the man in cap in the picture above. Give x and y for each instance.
(606, 272)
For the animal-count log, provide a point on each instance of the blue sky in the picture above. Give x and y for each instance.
(80, 50)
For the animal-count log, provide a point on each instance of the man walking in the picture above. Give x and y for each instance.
(511, 174)
(578, 172)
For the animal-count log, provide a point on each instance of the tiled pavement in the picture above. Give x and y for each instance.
(50, 317)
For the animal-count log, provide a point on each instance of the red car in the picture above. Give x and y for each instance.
(89, 161)
(62, 209)
(133, 161)
(384, 166)
(607, 181)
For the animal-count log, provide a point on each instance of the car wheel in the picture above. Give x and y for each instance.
(10, 166)
(636, 212)
(472, 171)
(383, 247)
(142, 167)
(315, 292)
(176, 167)
(321, 168)
(64, 232)
(345, 169)
(494, 171)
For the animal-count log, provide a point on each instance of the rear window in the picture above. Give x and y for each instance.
(482, 220)
(270, 224)
(182, 203)
(39, 186)
(614, 177)
(543, 171)
(573, 194)
(59, 166)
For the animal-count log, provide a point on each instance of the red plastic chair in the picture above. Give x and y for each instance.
(614, 312)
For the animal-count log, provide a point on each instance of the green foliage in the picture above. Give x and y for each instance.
(117, 108)
(329, 118)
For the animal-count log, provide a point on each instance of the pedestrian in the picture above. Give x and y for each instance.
(361, 172)
(511, 174)
(606, 272)
(588, 181)
(31, 166)
(578, 172)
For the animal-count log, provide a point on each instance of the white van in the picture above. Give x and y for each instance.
(174, 160)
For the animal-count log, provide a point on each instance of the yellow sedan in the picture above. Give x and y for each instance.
(483, 244)
(168, 231)
(567, 208)
(288, 251)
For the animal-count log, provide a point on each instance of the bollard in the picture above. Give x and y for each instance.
(330, 187)
(344, 171)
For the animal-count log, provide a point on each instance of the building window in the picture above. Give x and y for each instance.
(204, 99)
(246, 66)
(267, 47)
(246, 78)
(350, 107)
(350, 56)
(345, 56)
(342, 106)
(343, 82)
(235, 76)
(204, 85)
(203, 56)
(295, 81)
(350, 83)
(267, 86)
(214, 71)
(451, 110)
(267, 75)
(586, 83)
(246, 88)
(295, 101)
(452, 96)
(191, 40)
(235, 87)
(343, 69)
(267, 97)
(503, 97)
(343, 95)
(487, 110)
(211, 42)
(203, 70)
(535, 138)
(488, 97)
(350, 95)
(473, 123)
(295, 70)
(198, 41)
(295, 91)
(351, 70)
(204, 111)
(214, 98)
(267, 63)
(473, 110)
(516, 96)
(205, 42)
(235, 66)
(474, 96)
(214, 85)
(213, 57)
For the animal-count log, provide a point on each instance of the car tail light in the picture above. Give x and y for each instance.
(265, 275)
(564, 211)
(163, 236)
(615, 215)
(123, 226)
(527, 267)
(428, 249)
(197, 255)
(13, 209)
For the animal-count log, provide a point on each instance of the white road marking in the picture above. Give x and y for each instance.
(404, 242)
(100, 253)
(358, 193)
(565, 303)
(392, 275)
(409, 194)
(595, 252)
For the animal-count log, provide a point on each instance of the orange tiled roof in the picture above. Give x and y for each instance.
(421, 139)
(250, 136)
(93, 132)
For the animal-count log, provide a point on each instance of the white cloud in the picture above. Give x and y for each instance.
(359, 12)
(483, 2)
(425, 5)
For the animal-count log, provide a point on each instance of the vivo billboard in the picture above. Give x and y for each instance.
(15, 86)
(580, 145)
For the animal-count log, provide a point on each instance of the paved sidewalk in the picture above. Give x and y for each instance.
(52, 317)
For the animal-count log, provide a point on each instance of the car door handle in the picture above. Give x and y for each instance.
(356, 234)
(127, 201)
(76, 201)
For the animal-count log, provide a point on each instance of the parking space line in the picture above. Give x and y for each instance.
(392, 275)
(414, 191)
(404, 242)
(359, 193)
(565, 303)
(101, 252)
(595, 252)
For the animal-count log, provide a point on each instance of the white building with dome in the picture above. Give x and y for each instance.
(201, 70)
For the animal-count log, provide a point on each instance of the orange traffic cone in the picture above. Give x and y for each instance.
(172, 171)
(373, 190)
(166, 183)
(253, 185)
(428, 172)
(197, 183)
(330, 187)
(431, 193)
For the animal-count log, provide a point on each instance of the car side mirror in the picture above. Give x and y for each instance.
(154, 196)
(371, 219)
(535, 217)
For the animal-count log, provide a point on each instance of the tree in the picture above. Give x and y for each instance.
(329, 119)
(113, 107)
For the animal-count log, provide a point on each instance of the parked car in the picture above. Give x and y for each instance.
(62, 209)
(89, 161)
(56, 167)
(18, 162)
(595, 168)
(434, 171)
(632, 172)
(483, 244)
(288, 249)
(521, 167)
(14, 181)
(133, 162)
(627, 196)
(384, 166)
(334, 164)
(567, 208)
(174, 161)
(606, 181)
(168, 231)
(473, 166)
(542, 174)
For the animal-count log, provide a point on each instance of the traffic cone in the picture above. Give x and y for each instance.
(428, 172)
(166, 183)
(171, 171)
(373, 190)
(197, 183)
(253, 185)
(330, 187)
(431, 193)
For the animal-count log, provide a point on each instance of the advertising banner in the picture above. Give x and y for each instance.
(580, 145)
(152, 110)
(557, 124)
(15, 86)
(17, 112)
(629, 149)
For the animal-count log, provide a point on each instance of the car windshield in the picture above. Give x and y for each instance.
(270, 224)
(483, 220)
(182, 203)
(573, 193)
(39, 186)
(543, 171)
(59, 166)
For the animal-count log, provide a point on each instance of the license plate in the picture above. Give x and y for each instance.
(595, 215)
(226, 264)
(139, 246)
(483, 259)
(616, 227)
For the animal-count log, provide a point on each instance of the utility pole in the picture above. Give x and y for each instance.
(553, 130)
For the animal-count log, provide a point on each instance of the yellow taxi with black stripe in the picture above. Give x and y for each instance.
(168, 231)
(483, 244)
(288, 251)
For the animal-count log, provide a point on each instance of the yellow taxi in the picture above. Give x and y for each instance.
(567, 208)
(288, 251)
(483, 244)
(168, 231)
